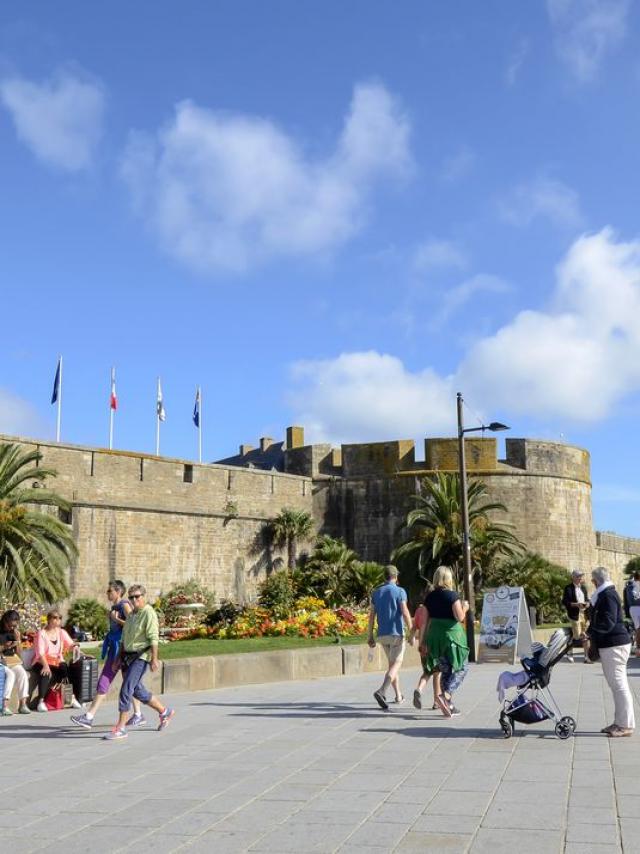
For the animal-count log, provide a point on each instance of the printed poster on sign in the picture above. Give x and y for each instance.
(505, 631)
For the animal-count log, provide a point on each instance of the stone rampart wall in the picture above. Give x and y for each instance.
(136, 517)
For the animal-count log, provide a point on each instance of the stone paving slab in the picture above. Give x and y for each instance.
(316, 767)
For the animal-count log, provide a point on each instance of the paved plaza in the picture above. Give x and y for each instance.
(315, 766)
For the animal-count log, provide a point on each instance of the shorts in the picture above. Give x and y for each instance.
(393, 646)
(579, 627)
(634, 613)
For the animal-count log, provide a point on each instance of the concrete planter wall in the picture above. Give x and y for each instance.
(224, 671)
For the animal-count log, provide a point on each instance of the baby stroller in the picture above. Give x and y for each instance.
(534, 701)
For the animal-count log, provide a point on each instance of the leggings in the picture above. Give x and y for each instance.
(58, 674)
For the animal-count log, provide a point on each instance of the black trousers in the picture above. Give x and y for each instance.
(58, 674)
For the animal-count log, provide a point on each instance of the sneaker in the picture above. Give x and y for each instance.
(136, 721)
(399, 700)
(441, 700)
(435, 707)
(115, 735)
(380, 700)
(6, 712)
(82, 720)
(570, 658)
(75, 704)
(455, 711)
(417, 700)
(42, 706)
(24, 710)
(165, 717)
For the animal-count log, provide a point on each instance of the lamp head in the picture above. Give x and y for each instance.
(496, 426)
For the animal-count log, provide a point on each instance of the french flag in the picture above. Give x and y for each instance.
(113, 400)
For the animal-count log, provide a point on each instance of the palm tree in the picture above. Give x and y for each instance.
(332, 566)
(434, 528)
(36, 548)
(288, 528)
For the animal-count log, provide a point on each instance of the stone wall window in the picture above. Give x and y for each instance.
(187, 475)
(65, 516)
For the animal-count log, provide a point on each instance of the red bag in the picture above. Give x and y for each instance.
(54, 701)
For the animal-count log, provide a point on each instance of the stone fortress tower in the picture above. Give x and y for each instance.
(158, 520)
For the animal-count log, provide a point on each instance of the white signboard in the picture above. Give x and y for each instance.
(505, 630)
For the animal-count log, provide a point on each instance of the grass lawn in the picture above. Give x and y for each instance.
(211, 646)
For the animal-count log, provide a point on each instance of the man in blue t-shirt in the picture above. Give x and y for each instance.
(389, 607)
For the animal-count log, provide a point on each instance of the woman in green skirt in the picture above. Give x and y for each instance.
(443, 641)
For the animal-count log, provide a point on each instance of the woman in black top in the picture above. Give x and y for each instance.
(443, 642)
(610, 637)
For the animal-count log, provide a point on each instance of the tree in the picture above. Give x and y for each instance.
(632, 567)
(36, 548)
(288, 528)
(434, 529)
(543, 583)
(330, 568)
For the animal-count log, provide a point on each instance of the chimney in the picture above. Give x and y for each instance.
(295, 437)
(265, 443)
(244, 450)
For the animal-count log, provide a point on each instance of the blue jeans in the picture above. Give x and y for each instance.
(132, 686)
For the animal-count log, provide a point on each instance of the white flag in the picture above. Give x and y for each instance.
(159, 404)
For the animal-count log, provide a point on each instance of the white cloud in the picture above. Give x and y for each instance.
(458, 165)
(516, 62)
(456, 297)
(19, 418)
(585, 31)
(228, 192)
(59, 120)
(368, 395)
(435, 253)
(542, 198)
(576, 361)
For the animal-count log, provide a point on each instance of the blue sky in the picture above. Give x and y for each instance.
(334, 214)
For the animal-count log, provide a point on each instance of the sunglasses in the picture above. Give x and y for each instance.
(136, 596)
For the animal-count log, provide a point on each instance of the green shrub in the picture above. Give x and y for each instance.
(226, 614)
(90, 616)
(278, 593)
(543, 583)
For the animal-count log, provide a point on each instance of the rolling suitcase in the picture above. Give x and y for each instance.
(84, 678)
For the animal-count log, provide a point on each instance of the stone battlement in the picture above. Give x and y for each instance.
(398, 456)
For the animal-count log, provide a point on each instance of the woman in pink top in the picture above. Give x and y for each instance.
(50, 646)
(419, 619)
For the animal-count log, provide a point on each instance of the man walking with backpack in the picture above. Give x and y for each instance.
(138, 651)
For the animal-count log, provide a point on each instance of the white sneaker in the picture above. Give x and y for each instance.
(570, 659)
(42, 706)
(75, 704)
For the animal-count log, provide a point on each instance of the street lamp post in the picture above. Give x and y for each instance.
(469, 591)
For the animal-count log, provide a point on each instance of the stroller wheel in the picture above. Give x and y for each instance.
(506, 726)
(564, 728)
(569, 722)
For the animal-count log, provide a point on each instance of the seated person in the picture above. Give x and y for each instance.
(52, 642)
(11, 659)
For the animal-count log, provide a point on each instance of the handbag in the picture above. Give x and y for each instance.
(54, 701)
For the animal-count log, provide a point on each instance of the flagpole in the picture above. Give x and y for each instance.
(59, 418)
(158, 420)
(200, 426)
(111, 410)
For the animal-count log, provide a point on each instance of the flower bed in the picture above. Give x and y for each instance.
(310, 618)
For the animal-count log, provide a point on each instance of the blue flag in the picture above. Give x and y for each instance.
(56, 384)
(196, 409)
